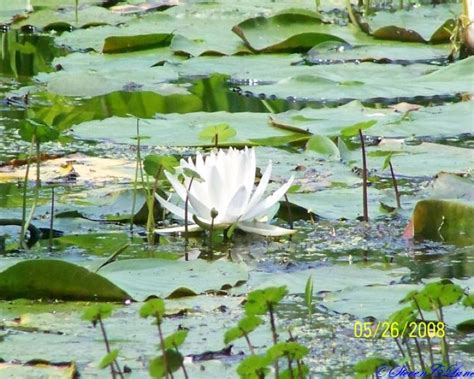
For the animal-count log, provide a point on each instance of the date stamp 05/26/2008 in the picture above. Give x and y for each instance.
(432, 329)
(387, 329)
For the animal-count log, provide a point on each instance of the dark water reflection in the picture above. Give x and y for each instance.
(24, 55)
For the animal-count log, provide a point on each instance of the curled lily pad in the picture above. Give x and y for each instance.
(54, 279)
(443, 220)
(286, 32)
(405, 25)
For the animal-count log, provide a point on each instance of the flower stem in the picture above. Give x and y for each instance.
(137, 168)
(428, 338)
(51, 222)
(211, 230)
(107, 347)
(247, 339)
(24, 226)
(364, 178)
(186, 207)
(290, 215)
(274, 336)
(290, 368)
(420, 355)
(395, 186)
(162, 345)
(150, 225)
(444, 342)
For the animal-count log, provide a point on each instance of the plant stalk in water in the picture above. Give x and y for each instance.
(274, 336)
(51, 222)
(27, 221)
(444, 342)
(162, 346)
(214, 214)
(138, 168)
(364, 178)
(428, 338)
(150, 224)
(395, 186)
(186, 207)
(24, 227)
(114, 367)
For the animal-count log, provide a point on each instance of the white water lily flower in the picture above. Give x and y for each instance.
(227, 186)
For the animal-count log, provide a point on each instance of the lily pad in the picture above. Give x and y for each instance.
(193, 33)
(430, 158)
(38, 368)
(447, 221)
(65, 18)
(93, 75)
(325, 278)
(54, 279)
(449, 119)
(170, 279)
(382, 53)
(383, 301)
(121, 44)
(405, 25)
(286, 32)
(183, 129)
(366, 81)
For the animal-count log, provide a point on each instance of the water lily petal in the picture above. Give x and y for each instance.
(236, 205)
(177, 211)
(266, 204)
(262, 186)
(216, 188)
(199, 163)
(178, 187)
(201, 210)
(264, 229)
(178, 229)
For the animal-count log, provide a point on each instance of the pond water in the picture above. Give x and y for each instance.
(114, 83)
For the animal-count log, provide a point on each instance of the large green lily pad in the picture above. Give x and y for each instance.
(450, 119)
(325, 278)
(383, 301)
(442, 220)
(404, 25)
(54, 279)
(183, 130)
(193, 33)
(286, 32)
(159, 277)
(382, 52)
(366, 81)
(419, 160)
(92, 74)
(88, 15)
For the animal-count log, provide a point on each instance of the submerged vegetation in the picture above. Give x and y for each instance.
(285, 190)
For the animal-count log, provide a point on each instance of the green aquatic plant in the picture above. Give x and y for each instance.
(308, 295)
(410, 325)
(217, 133)
(154, 165)
(96, 314)
(170, 359)
(259, 303)
(35, 131)
(388, 163)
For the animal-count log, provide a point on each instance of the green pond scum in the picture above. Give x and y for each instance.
(236, 189)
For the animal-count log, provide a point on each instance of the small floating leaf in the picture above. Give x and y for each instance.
(220, 131)
(259, 301)
(109, 359)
